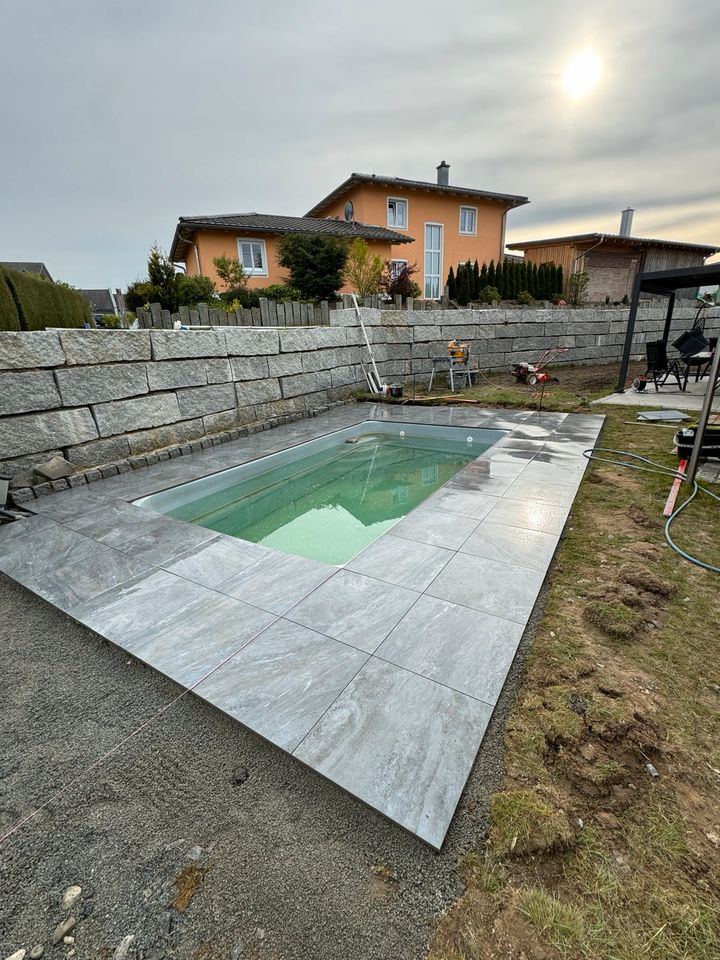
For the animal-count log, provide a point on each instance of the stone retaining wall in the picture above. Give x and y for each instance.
(114, 396)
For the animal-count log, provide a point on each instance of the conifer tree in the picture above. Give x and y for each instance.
(535, 283)
(452, 284)
(464, 292)
(476, 281)
(484, 277)
(491, 275)
(559, 280)
(500, 280)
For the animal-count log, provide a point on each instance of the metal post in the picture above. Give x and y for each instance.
(627, 348)
(704, 415)
(668, 316)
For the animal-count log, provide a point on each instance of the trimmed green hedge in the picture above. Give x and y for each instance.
(42, 303)
(9, 319)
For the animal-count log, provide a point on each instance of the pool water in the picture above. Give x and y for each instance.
(330, 504)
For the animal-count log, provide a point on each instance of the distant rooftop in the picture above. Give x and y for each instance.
(398, 183)
(28, 267)
(253, 223)
(706, 249)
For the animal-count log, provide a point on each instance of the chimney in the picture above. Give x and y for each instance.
(626, 218)
(443, 177)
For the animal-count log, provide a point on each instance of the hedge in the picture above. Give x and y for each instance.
(42, 303)
(9, 319)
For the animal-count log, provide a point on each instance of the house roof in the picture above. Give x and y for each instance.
(101, 301)
(398, 183)
(252, 223)
(706, 249)
(28, 267)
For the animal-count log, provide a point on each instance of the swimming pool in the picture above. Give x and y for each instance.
(328, 498)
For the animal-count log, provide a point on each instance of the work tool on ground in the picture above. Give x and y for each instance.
(534, 373)
(458, 364)
(375, 384)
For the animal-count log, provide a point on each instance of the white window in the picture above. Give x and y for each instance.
(468, 220)
(429, 475)
(396, 266)
(400, 494)
(397, 213)
(433, 260)
(251, 254)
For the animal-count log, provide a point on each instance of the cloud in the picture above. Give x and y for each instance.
(123, 115)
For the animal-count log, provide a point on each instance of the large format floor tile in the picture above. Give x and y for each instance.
(495, 588)
(513, 545)
(530, 514)
(459, 647)
(282, 682)
(277, 582)
(215, 561)
(421, 736)
(73, 583)
(406, 563)
(48, 544)
(187, 644)
(136, 605)
(554, 493)
(358, 610)
(467, 503)
(435, 527)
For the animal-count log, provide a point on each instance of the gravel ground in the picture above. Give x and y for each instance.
(284, 866)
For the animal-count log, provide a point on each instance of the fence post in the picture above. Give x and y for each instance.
(204, 313)
(184, 315)
(409, 303)
(156, 314)
(264, 312)
(324, 312)
(398, 301)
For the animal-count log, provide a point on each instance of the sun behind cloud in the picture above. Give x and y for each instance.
(582, 73)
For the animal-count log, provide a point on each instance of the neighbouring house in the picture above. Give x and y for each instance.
(105, 303)
(254, 237)
(443, 224)
(28, 267)
(611, 260)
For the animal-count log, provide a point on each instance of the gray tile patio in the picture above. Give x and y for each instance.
(382, 676)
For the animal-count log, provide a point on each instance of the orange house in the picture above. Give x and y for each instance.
(253, 239)
(442, 224)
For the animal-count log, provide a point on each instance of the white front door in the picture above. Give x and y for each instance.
(433, 260)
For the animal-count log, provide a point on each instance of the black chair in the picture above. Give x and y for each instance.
(695, 351)
(659, 368)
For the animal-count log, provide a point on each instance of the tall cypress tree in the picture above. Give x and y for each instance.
(511, 268)
(464, 281)
(452, 284)
(483, 277)
(535, 283)
(559, 280)
(500, 280)
(491, 274)
(476, 281)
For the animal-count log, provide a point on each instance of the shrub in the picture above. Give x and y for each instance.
(400, 282)
(488, 294)
(525, 297)
(280, 293)
(9, 319)
(43, 303)
(577, 288)
(193, 290)
(315, 263)
(363, 269)
(451, 284)
(230, 271)
(168, 287)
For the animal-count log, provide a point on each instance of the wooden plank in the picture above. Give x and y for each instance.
(256, 318)
(324, 312)
(409, 303)
(167, 320)
(203, 312)
(184, 315)
(272, 312)
(674, 490)
(194, 318)
(156, 314)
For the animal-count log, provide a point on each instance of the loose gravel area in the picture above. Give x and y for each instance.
(196, 839)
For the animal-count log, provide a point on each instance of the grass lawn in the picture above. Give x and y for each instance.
(589, 854)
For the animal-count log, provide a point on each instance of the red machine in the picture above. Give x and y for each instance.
(532, 373)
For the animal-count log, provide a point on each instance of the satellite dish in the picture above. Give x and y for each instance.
(349, 211)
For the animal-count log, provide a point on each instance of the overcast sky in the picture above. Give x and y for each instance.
(118, 116)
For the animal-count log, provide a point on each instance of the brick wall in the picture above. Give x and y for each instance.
(112, 397)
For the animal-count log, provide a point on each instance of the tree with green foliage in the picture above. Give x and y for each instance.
(559, 281)
(315, 263)
(464, 285)
(451, 284)
(167, 286)
(500, 280)
(363, 270)
(577, 288)
(230, 271)
(399, 282)
(476, 281)
(489, 294)
(491, 275)
(483, 277)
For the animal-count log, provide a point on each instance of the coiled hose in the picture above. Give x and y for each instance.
(652, 467)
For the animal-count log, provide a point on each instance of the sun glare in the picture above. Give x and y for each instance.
(582, 73)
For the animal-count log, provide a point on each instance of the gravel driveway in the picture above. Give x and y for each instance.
(260, 857)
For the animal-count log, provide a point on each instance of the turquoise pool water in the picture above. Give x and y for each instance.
(327, 504)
